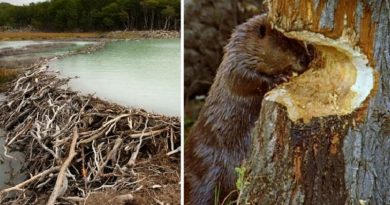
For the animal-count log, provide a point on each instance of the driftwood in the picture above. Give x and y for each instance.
(41, 114)
(59, 187)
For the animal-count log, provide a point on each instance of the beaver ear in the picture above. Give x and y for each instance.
(261, 31)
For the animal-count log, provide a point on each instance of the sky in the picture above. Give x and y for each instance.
(20, 2)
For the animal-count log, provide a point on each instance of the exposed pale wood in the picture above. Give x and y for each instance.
(59, 186)
(28, 181)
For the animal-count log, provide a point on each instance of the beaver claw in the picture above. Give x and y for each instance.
(279, 79)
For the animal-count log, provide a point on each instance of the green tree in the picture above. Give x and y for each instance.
(85, 15)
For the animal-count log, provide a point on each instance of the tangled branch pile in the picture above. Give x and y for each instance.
(76, 145)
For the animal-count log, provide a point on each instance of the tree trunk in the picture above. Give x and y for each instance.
(169, 23)
(324, 138)
(134, 22)
(128, 23)
(145, 19)
(176, 22)
(166, 23)
(152, 21)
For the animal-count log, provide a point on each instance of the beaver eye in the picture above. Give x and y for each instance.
(261, 31)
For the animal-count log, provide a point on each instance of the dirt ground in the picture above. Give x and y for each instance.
(160, 185)
(162, 180)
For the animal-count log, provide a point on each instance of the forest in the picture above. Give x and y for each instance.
(92, 15)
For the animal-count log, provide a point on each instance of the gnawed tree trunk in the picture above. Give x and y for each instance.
(324, 137)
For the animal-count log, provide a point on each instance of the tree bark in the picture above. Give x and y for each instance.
(329, 159)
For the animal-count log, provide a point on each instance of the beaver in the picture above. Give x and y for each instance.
(256, 59)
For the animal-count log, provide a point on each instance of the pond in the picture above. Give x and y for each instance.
(10, 163)
(136, 73)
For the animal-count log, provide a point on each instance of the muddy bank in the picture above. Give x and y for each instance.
(27, 56)
(90, 145)
(158, 34)
(19, 63)
(35, 48)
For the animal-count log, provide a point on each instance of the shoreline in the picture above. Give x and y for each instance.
(22, 35)
(12, 68)
(43, 61)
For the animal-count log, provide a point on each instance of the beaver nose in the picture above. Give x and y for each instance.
(304, 61)
(307, 56)
(302, 64)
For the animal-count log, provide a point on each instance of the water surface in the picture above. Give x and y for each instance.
(137, 73)
(9, 174)
(21, 44)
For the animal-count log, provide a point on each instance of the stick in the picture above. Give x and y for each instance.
(103, 129)
(118, 142)
(138, 147)
(174, 151)
(64, 167)
(146, 134)
(122, 199)
(20, 185)
(74, 198)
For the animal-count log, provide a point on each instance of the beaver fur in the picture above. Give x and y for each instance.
(256, 59)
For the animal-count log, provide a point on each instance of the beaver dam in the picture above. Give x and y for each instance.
(80, 149)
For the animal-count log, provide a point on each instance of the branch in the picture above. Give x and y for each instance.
(22, 184)
(64, 167)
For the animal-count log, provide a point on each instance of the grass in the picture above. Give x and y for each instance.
(45, 35)
(240, 183)
(216, 195)
(7, 75)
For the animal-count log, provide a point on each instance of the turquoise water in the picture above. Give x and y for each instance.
(137, 73)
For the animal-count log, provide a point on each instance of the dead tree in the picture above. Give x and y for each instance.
(324, 137)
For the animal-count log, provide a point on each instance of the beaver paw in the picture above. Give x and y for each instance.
(282, 79)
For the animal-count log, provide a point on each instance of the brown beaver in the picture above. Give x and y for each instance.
(256, 59)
